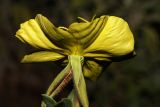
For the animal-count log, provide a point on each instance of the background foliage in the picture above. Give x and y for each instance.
(131, 83)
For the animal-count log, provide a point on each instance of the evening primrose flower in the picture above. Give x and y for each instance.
(82, 45)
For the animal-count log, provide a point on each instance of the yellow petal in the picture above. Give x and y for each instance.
(115, 39)
(31, 33)
(42, 56)
(92, 69)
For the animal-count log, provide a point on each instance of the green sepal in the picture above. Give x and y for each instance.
(78, 79)
(51, 90)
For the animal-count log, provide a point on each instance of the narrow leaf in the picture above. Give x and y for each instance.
(49, 102)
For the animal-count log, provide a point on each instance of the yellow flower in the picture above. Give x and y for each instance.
(103, 39)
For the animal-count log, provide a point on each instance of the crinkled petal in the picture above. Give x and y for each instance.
(59, 36)
(42, 56)
(31, 33)
(87, 32)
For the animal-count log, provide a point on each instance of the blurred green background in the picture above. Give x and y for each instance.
(131, 83)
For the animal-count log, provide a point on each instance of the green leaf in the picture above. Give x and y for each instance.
(50, 102)
(64, 103)
(78, 79)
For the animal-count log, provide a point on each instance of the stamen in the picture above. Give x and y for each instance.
(93, 17)
(83, 19)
